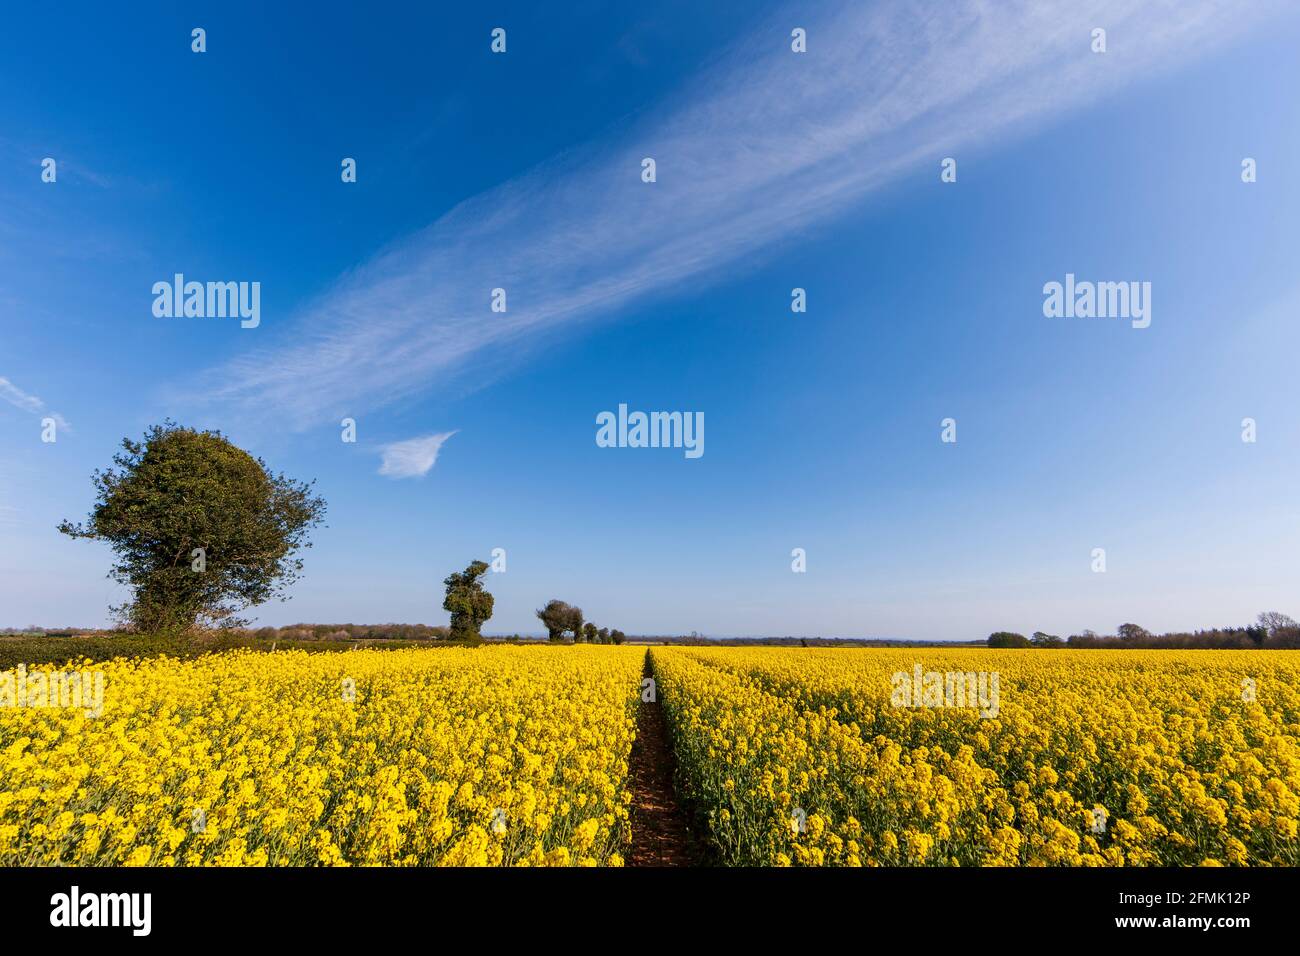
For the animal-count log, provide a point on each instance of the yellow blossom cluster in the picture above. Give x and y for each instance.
(491, 756)
(1090, 758)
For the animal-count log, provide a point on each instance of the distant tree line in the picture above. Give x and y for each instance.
(1272, 630)
(354, 632)
(562, 619)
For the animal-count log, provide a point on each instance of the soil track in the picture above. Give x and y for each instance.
(660, 835)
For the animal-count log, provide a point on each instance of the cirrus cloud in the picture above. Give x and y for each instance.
(755, 150)
(15, 396)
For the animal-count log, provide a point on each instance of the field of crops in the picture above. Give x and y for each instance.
(783, 756)
(1094, 758)
(450, 756)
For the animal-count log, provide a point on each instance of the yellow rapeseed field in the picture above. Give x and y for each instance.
(1089, 757)
(519, 756)
(502, 755)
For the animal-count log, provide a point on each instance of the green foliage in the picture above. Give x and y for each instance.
(1008, 639)
(470, 605)
(555, 617)
(573, 623)
(201, 528)
(1132, 633)
(1041, 639)
(561, 618)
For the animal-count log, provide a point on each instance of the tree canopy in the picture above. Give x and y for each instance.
(1008, 639)
(201, 528)
(470, 605)
(559, 617)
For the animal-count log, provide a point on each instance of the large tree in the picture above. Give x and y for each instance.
(470, 605)
(557, 616)
(201, 528)
(574, 623)
(1132, 633)
(1008, 639)
(1274, 621)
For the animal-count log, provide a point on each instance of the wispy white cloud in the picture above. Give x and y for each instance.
(412, 458)
(760, 147)
(15, 396)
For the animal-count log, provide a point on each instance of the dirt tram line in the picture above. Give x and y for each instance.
(660, 834)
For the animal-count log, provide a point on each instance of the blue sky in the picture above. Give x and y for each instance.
(775, 170)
